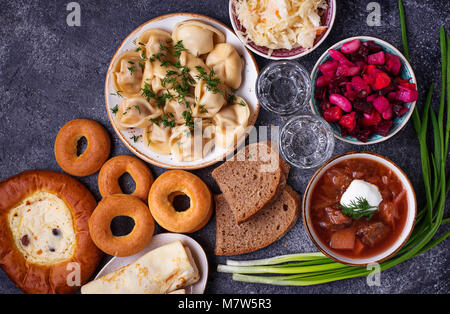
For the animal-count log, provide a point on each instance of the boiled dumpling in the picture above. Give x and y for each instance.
(136, 112)
(188, 145)
(176, 109)
(227, 64)
(156, 136)
(209, 102)
(155, 74)
(127, 73)
(231, 122)
(197, 37)
(152, 40)
(193, 63)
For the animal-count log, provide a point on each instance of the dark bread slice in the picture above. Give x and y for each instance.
(253, 179)
(266, 227)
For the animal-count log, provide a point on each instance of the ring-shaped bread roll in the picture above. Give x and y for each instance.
(113, 169)
(119, 205)
(179, 182)
(96, 153)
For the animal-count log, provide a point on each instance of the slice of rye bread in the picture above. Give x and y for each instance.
(252, 180)
(266, 227)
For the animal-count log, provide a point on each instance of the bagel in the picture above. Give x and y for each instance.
(96, 153)
(114, 168)
(113, 206)
(44, 233)
(178, 182)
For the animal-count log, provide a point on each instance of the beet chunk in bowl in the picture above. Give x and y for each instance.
(365, 88)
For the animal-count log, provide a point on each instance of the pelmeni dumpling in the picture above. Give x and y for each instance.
(208, 102)
(176, 108)
(154, 75)
(188, 145)
(127, 73)
(136, 112)
(193, 63)
(197, 37)
(227, 64)
(231, 122)
(156, 136)
(151, 41)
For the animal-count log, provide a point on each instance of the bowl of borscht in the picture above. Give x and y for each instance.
(359, 208)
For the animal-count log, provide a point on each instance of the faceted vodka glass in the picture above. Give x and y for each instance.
(284, 87)
(306, 141)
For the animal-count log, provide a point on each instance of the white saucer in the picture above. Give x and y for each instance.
(159, 240)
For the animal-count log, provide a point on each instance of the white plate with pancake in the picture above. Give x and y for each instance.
(246, 91)
(157, 241)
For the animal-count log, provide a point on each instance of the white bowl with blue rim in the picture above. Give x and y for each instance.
(406, 72)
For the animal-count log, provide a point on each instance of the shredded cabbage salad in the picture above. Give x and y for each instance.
(281, 24)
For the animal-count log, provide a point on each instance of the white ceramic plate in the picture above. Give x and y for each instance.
(246, 91)
(157, 241)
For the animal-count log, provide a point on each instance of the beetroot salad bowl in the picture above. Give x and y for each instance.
(365, 89)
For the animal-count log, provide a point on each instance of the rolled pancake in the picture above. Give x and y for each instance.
(161, 271)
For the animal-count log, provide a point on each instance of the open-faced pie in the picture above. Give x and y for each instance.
(45, 246)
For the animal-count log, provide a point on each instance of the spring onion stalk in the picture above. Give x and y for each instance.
(279, 260)
(308, 269)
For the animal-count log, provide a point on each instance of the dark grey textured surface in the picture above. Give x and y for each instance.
(51, 73)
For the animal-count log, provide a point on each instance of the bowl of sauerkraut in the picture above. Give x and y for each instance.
(282, 29)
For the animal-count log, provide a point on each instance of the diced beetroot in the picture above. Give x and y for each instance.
(392, 96)
(363, 106)
(393, 63)
(345, 70)
(376, 58)
(372, 46)
(343, 239)
(351, 46)
(338, 56)
(322, 81)
(383, 127)
(360, 86)
(382, 80)
(405, 83)
(341, 102)
(332, 114)
(388, 114)
(372, 97)
(399, 109)
(348, 121)
(381, 104)
(329, 66)
(370, 74)
(363, 135)
(371, 119)
(407, 95)
(350, 93)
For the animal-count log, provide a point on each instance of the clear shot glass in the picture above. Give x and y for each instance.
(284, 87)
(306, 141)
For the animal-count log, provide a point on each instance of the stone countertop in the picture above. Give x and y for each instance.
(51, 73)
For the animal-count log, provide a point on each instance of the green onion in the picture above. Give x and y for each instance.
(308, 269)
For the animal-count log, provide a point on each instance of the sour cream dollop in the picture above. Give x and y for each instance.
(361, 189)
